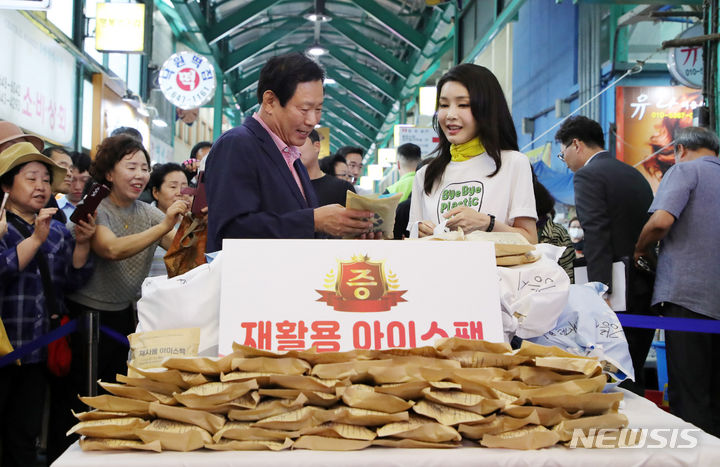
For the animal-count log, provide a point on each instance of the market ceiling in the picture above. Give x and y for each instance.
(378, 52)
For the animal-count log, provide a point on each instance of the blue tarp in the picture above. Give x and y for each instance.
(559, 184)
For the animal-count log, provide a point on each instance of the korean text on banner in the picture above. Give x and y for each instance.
(355, 294)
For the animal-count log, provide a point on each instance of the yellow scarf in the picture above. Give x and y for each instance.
(466, 151)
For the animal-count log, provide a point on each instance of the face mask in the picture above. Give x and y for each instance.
(576, 232)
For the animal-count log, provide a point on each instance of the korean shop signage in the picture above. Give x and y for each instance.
(120, 27)
(354, 294)
(187, 80)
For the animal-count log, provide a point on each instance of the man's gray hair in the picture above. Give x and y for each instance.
(695, 138)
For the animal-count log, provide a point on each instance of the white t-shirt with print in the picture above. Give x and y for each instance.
(507, 195)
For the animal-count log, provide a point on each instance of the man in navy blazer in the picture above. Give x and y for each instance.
(257, 187)
(612, 201)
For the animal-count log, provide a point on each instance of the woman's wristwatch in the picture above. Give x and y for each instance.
(491, 225)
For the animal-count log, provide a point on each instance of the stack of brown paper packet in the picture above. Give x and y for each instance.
(429, 397)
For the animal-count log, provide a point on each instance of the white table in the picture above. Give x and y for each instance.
(640, 412)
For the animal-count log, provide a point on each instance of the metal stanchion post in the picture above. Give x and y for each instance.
(92, 335)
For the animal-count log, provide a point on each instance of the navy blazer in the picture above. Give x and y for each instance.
(251, 192)
(612, 201)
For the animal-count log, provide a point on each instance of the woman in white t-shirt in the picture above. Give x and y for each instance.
(479, 180)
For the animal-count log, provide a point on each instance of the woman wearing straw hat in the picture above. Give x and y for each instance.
(40, 263)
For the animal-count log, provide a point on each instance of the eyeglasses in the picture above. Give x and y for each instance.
(561, 154)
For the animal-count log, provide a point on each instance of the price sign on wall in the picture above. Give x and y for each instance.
(346, 294)
(187, 80)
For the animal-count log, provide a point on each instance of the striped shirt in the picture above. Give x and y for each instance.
(555, 234)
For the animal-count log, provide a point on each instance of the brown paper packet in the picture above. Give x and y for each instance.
(446, 415)
(203, 365)
(313, 357)
(366, 417)
(410, 390)
(248, 401)
(425, 351)
(117, 428)
(307, 383)
(471, 374)
(608, 421)
(340, 430)
(566, 388)
(364, 397)
(243, 431)
(320, 399)
(514, 260)
(132, 392)
(456, 344)
(540, 376)
(296, 419)
(532, 437)
(209, 395)
(383, 209)
(541, 415)
(354, 370)
(268, 408)
(506, 243)
(117, 404)
(98, 415)
(204, 420)
(462, 400)
(576, 365)
(181, 379)
(420, 429)
(590, 404)
(280, 365)
(249, 445)
(473, 359)
(103, 444)
(322, 443)
(262, 378)
(499, 424)
(149, 349)
(167, 389)
(244, 351)
(530, 349)
(175, 436)
(412, 444)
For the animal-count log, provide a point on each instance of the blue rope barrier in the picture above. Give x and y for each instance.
(41, 341)
(114, 335)
(710, 326)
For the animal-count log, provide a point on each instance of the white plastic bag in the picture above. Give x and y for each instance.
(533, 295)
(588, 327)
(189, 300)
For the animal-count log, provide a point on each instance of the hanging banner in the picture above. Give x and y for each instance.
(647, 118)
(187, 80)
(356, 294)
(40, 99)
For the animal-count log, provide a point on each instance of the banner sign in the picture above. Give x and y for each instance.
(120, 27)
(647, 118)
(356, 294)
(426, 138)
(187, 80)
(42, 102)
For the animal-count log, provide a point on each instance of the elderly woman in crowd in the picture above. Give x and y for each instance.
(128, 231)
(167, 182)
(39, 263)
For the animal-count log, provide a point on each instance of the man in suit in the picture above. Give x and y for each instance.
(612, 201)
(256, 184)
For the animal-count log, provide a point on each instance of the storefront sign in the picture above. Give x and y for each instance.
(37, 80)
(25, 4)
(120, 27)
(647, 119)
(426, 138)
(187, 80)
(686, 63)
(356, 294)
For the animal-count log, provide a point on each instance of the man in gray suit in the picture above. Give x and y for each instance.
(612, 201)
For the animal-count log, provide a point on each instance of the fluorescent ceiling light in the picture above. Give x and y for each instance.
(160, 123)
(316, 51)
